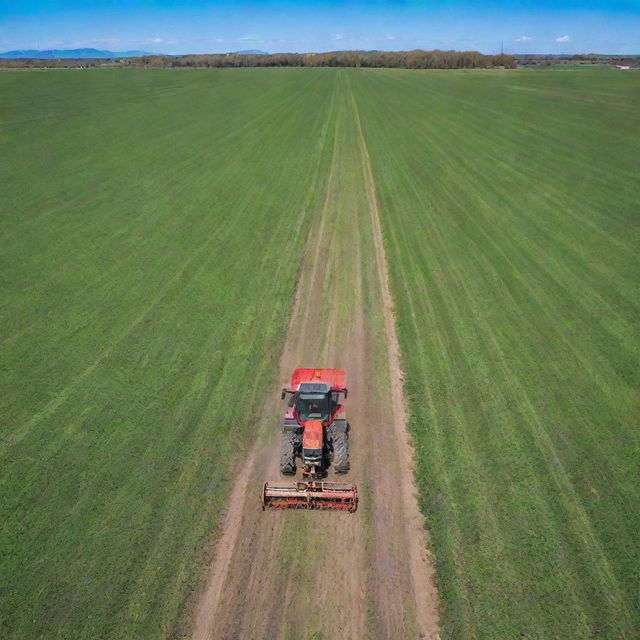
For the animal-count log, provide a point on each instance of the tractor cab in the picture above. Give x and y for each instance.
(315, 394)
(313, 401)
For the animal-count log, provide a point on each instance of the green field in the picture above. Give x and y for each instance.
(511, 205)
(153, 224)
(152, 229)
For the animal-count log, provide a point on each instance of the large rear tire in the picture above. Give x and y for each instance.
(288, 453)
(341, 450)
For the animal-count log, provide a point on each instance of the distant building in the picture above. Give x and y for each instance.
(624, 67)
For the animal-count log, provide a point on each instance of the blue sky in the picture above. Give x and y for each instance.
(174, 26)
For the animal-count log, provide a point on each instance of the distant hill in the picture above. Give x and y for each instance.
(252, 52)
(70, 53)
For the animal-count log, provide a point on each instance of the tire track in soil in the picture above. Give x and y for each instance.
(422, 564)
(294, 574)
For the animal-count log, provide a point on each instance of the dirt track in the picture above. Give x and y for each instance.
(315, 574)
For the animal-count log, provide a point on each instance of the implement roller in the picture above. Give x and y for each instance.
(310, 495)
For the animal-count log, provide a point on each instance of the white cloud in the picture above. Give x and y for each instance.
(563, 39)
(338, 36)
(157, 40)
(524, 39)
(390, 37)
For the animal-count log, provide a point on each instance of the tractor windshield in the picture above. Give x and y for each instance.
(313, 406)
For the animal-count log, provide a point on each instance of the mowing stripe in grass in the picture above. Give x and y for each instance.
(143, 323)
(514, 276)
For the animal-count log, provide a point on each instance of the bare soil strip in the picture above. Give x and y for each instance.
(422, 568)
(296, 574)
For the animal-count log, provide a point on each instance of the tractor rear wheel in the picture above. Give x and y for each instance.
(288, 453)
(341, 451)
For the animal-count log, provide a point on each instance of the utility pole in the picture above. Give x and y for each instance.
(501, 47)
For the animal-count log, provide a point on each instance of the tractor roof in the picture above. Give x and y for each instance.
(336, 378)
(314, 387)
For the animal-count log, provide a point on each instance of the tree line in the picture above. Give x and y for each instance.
(416, 59)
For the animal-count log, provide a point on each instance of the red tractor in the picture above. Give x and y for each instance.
(316, 431)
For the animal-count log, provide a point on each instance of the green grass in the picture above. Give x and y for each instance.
(152, 229)
(153, 223)
(510, 206)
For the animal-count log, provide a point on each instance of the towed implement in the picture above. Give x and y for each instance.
(315, 431)
(310, 495)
